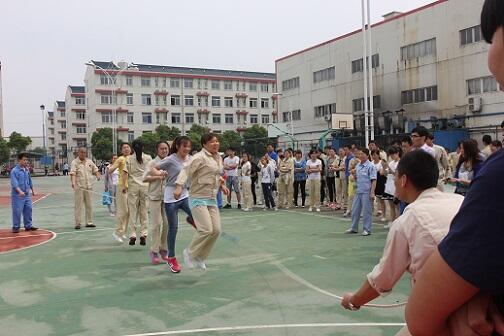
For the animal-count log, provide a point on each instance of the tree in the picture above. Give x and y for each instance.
(149, 141)
(4, 150)
(101, 144)
(39, 150)
(18, 142)
(256, 140)
(167, 133)
(230, 139)
(195, 133)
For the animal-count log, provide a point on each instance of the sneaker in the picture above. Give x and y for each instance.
(346, 214)
(201, 265)
(187, 259)
(112, 214)
(154, 258)
(275, 209)
(174, 265)
(77, 227)
(190, 220)
(366, 233)
(116, 237)
(90, 225)
(124, 237)
(132, 240)
(350, 231)
(15, 230)
(318, 209)
(246, 209)
(383, 219)
(296, 206)
(310, 209)
(164, 255)
(227, 206)
(264, 209)
(303, 206)
(31, 228)
(287, 208)
(239, 206)
(142, 240)
(379, 213)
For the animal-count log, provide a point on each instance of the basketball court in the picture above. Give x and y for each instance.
(271, 273)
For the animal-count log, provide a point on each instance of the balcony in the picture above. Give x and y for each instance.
(77, 95)
(160, 93)
(241, 112)
(161, 110)
(274, 97)
(121, 110)
(203, 111)
(103, 110)
(275, 113)
(202, 94)
(122, 129)
(78, 110)
(241, 95)
(121, 91)
(241, 128)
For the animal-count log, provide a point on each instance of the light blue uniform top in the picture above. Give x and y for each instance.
(366, 173)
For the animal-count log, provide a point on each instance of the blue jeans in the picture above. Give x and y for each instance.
(219, 199)
(362, 202)
(21, 206)
(171, 210)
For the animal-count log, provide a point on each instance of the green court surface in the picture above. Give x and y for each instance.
(271, 273)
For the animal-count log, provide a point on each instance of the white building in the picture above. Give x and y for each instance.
(145, 96)
(2, 131)
(428, 63)
(56, 130)
(75, 105)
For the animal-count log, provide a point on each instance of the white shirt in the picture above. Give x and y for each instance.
(389, 185)
(313, 165)
(428, 149)
(231, 162)
(245, 172)
(413, 237)
(115, 177)
(268, 174)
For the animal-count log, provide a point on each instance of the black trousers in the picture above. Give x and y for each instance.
(322, 190)
(331, 186)
(299, 185)
(268, 195)
(253, 186)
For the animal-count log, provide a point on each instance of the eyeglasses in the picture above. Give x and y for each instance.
(415, 136)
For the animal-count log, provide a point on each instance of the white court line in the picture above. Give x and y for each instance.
(270, 326)
(319, 257)
(324, 216)
(302, 281)
(27, 247)
(41, 198)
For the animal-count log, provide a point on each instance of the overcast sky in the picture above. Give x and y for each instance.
(44, 44)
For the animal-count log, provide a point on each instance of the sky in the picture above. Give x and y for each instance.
(44, 44)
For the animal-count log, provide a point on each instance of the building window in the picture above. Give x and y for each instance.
(81, 129)
(216, 119)
(228, 101)
(175, 118)
(80, 101)
(483, 84)
(131, 136)
(175, 100)
(146, 118)
(81, 115)
(80, 143)
(156, 100)
(254, 118)
(265, 119)
(146, 99)
(62, 114)
(106, 117)
(63, 136)
(106, 80)
(290, 84)
(296, 115)
(129, 80)
(253, 102)
(264, 102)
(188, 83)
(174, 82)
(189, 100)
(215, 85)
(145, 81)
(228, 85)
(164, 82)
(129, 99)
(324, 110)
(215, 101)
(63, 124)
(470, 35)
(164, 118)
(285, 116)
(419, 95)
(264, 87)
(189, 118)
(358, 65)
(420, 49)
(358, 104)
(229, 119)
(106, 99)
(156, 82)
(253, 86)
(323, 75)
(129, 118)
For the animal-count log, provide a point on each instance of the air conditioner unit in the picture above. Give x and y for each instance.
(475, 104)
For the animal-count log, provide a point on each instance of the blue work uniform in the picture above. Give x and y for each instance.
(20, 178)
(365, 174)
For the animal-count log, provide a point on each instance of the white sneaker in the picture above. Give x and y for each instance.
(365, 233)
(246, 209)
(383, 219)
(275, 209)
(286, 208)
(201, 265)
(112, 214)
(346, 214)
(318, 209)
(310, 209)
(116, 237)
(187, 259)
(124, 237)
